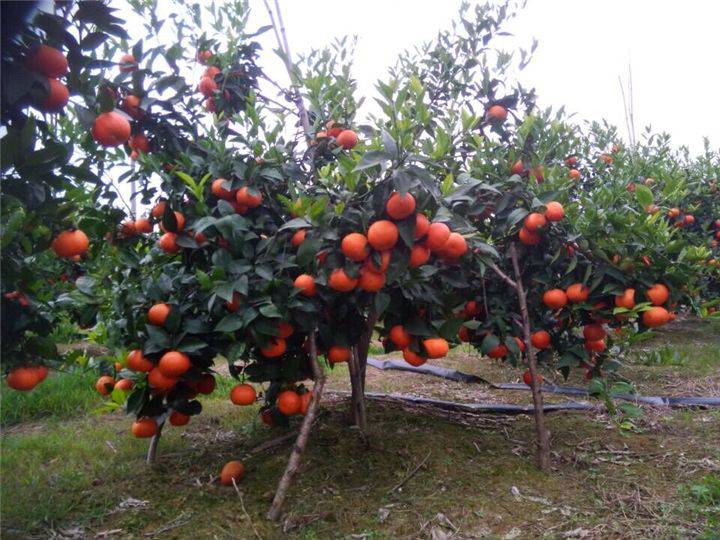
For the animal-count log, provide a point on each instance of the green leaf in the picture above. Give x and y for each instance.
(449, 329)
(489, 343)
(644, 195)
(230, 323)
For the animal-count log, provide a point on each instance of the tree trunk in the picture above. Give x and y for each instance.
(358, 394)
(152, 449)
(543, 439)
(301, 442)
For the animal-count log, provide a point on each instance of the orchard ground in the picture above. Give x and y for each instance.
(472, 477)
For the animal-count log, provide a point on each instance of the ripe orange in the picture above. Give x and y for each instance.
(400, 337)
(384, 262)
(47, 61)
(400, 206)
(464, 334)
(655, 316)
(57, 97)
(174, 363)
(571, 160)
(178, 418)
(158, 314)
(286, 329)
(626, 300)
(354, 246)
(158, 380)
(105, 385)
(179, 223)
(497, 114)
(140, 143)
(124, 384)
(168, 243)
(207, 86)
(275, 347)
(689, 219)
(383, 235)
(212, 71)
(247, 198)
(555, 298)
(219, 191)
(305, 399)
(498, 352)
(517, 167)
(298, 238)
(455, 247)
(554, 211)
(144, 427)
(306, 284)
(437, 236)
(540, 339)
(520, 344)
(574, 174)
(234, 304)
(243, 394)
(534, 222)
(22, 378)
(206, 384)
(232, 470)
(471, 309)
(137, 362)
(529, 238)
(336, 354)
(111, 129)
(538, 173)
(412, 358)
(421, 225)
(143, 225)
(577, 292)
(371, 281)
(127, 63)
(288, 402)
(436, 347)
(607, 159)
(210, 105)
(419, 255)
(70, 243)
(595, 346)
(347, 139)
(593, 332)
(41, 372)
(127, 229)
(158, 210)
(658, 294)
(340, 281)
(527, 378)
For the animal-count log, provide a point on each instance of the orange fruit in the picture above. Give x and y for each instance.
(127, 63)
(383, 235)
(245, 197)
(419, 255)
(124, 384)
(607, 159)
(144, 427)
(137, 362)
(288, 402)
(206, 384)
(540, 339)
(471, 309)
(234, 304)
(111, 129)
(275, 347)
(179, 419)
(347, 139)
(626, 300)
(159, 210)
(517, 167)
(298, 238)
(529, 238)
(212, 71)
(413, 358)
(219, 191)
(47, 61)
(538, 173)
(158, 314)
(577, 292)
(232, 470)
(555, 298)
(658, 294)
(174, 363)
(455, 247)
(534, 222)
(400, 337)
(306, 284)
(203, 56)
(22, 378)
(179, 223)
(437, 236)
(143, 225)
(595, 346)
(498, 352)
(158, 380)
(527, 378)
(370, 281)
(340, 281)
(336, 354)
(384, 262)
(70, 243)
(655, 316)
(554, 211)
(243, 394)
(422, 224)
(497, 114)
(520, 344)
(41, 372)
(140, 143)
(286, 329)
(105, 385)
(574, 174)
(168, 243)
(207, 86)
(354, 246)
(400, 206)
(571, 160)
(436, 347)
(305, 399)
(127, 229)
(593, 332)
(210, 105)
(464, 334)
(57, 97)
(689, 219)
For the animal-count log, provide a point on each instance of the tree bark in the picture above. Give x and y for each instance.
(152, 449)
(543, 439)
(358, 394)
(301, 442)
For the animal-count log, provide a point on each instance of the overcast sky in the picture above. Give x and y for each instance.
(672, 46)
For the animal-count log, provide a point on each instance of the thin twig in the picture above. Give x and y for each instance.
(412, 473)
(502, 275)
(242, 505)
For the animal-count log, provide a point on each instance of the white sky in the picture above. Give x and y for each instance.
(673, 46)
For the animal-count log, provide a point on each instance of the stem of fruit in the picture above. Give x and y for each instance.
(301, 442)
(542, 434)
